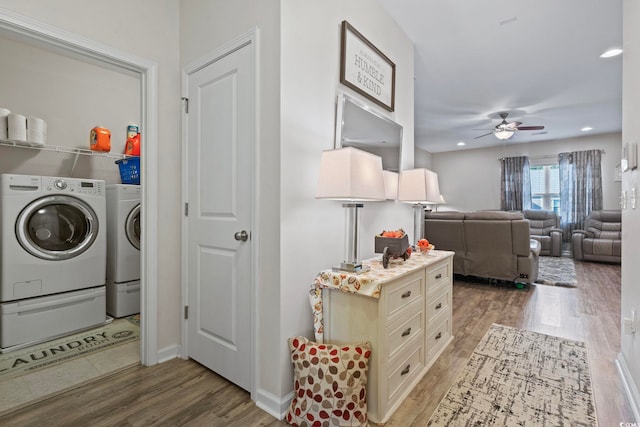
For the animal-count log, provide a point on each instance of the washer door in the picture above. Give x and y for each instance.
(57, 227)
(132, 227)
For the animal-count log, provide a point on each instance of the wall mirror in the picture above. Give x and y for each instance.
(359, 126)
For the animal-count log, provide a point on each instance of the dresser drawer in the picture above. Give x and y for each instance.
(438, 303)
(438, 276)
(401, 294)
(404, 371)
(399, 334)
(438, 336)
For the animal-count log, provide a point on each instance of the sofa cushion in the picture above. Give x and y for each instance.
(444, 215)
(493, 215)
(489, 249)
(604, 225)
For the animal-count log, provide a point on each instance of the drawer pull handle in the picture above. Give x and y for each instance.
(407, 332)
(439, 306)
(439, 335)
(406, 294)
(405, 371)
(439, 276)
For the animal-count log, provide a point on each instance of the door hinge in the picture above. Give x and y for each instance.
(186, 104)
(186, 311)
(186, 209)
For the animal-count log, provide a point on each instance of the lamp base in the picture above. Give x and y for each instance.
(351, 268)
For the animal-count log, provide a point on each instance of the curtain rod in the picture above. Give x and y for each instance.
(548, 156)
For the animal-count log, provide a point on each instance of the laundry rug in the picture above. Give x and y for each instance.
(556, 271)
(520, 378)
(46, 354)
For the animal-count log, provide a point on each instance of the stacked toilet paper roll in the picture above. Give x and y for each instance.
(4, 123)
(36, 131)
(17, 128)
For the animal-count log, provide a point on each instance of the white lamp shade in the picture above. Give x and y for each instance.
(418, 186)
(442, 200)
(350, 174)
(390, 185)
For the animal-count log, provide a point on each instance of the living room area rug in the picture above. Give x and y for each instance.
(47, 354)
(521, 378)
(556, 271)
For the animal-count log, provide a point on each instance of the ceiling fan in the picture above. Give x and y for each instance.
(505, 130)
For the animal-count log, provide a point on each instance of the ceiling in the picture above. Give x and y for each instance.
(536, 59)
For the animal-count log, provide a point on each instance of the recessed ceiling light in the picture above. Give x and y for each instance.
(461, 143)
(586, 129)
(611, 53)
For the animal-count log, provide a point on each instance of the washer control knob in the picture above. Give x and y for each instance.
(60, 184)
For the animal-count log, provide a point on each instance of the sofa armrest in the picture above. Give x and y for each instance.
(576, 243)
(556, 230)
(556, 242)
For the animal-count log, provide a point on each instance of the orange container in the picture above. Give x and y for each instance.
(132, 148)
(100, 139)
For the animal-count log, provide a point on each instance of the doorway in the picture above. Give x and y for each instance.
(44, 36)
(218, 182)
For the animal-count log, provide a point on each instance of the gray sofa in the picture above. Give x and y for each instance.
(488, 244)
(601, 240)
(544, 226)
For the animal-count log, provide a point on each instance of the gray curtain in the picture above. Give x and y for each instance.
(580, 188)
(515, 184)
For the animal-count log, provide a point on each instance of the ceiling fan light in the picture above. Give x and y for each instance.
(504, 134)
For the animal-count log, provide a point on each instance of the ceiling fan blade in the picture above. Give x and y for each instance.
(490, 133)
(530, 127)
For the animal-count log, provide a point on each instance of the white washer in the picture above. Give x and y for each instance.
(123, 249)
(53, 244)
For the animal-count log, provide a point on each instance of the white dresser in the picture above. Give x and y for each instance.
(408, 325)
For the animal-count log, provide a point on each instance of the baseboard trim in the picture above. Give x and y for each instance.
(630, 386)
(272, 404)
(168, 353)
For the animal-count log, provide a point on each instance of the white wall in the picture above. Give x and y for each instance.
(205, 26)
(312, 231)
(72, 96)
(630, 355)
(298, 80)
(148, 29)
(470, 179)
(422, 158)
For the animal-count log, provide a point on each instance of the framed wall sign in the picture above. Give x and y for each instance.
(365, 69)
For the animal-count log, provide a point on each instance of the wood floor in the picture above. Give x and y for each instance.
(183, 393)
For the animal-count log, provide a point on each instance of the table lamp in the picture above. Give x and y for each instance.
(390, 184)
(353, 176)
(420, 187)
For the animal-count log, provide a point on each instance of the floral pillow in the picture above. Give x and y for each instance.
(330, 384)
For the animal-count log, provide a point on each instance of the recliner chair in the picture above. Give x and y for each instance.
(544, 226)
(601, 240)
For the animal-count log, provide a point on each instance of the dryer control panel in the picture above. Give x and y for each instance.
(93, 187)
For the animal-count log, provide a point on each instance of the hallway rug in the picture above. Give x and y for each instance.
(520, 378)
(556, 271)
(44, 355)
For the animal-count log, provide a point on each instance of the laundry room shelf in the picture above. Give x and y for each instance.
(77, 152)
(62, 149)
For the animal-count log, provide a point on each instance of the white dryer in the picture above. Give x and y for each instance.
(123, 249)
(52, 256)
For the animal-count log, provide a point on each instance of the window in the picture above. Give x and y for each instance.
(545, 187)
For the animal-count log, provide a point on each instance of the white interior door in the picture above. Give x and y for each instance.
(219, 176)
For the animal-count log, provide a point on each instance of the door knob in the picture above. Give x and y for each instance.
(241, 235)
